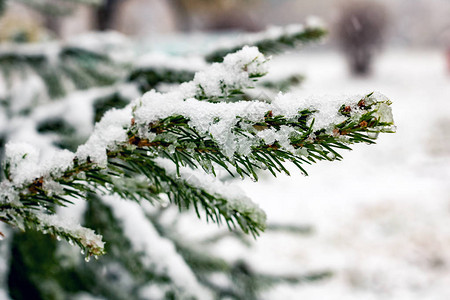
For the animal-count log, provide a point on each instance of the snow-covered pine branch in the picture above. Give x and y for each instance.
(272, 41)
(283, 84)
(61, 66)
(237, 279)
(162, 72)
(159, 253)
(51, 70)
(156, 68)
(186, 127)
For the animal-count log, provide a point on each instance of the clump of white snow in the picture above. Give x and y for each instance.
(23, 160)
(220, 79)
(108, 133)
(26, 165)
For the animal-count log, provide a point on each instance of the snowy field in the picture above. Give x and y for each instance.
(381, 216)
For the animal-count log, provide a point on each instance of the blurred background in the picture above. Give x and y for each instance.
(417, 23)
(378, 221)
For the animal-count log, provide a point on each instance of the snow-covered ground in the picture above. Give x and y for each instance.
(381, 216)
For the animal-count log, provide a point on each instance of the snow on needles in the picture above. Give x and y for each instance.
(216, 120)
(236, 199)
(108, 134)
(157, 251)
(271, 33)
(220, 79)
(69, 227)
(25, 164)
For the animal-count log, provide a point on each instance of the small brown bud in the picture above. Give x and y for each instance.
(336, 132)
(134, 140)
(37, 184)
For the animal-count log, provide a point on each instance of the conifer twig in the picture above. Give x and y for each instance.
(185, 128)
(274, 40)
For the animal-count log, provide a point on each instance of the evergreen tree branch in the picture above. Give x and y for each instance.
(242, 281)
(266, 141)
(162, 258)
(149, 78)
(153, 69)
(123, 259)
(240, 137)
(60, 66)
(274, 40)
(27, 218)
(283, 84)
